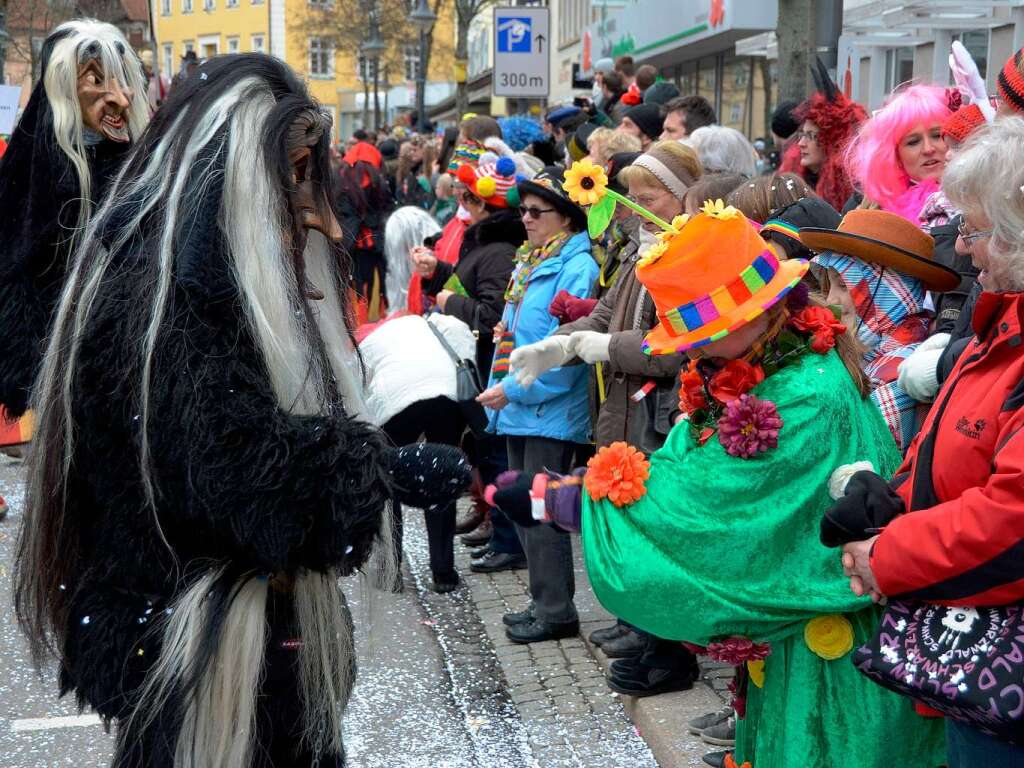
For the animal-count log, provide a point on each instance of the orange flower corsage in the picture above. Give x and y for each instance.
(618, 472)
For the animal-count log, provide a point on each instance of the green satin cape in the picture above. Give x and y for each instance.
(723, 546)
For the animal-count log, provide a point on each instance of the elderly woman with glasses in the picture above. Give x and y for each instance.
(543, 423)
(950, 525)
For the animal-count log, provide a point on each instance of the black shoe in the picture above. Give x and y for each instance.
(716, 759)
(476, 554)
(626, 646)
(445, 583)
(536, 631)
(479, 535)
(645, 680)
(519, 617)
(492, 562)
(601, 636)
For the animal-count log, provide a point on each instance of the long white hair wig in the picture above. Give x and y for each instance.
(227, 128)
(66, 49)
(406, 228)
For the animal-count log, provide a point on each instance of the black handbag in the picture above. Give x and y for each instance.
(467, 387)
(966, 662)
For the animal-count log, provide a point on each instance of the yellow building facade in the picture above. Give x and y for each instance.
(282, 28)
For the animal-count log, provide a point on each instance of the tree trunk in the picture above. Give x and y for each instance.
(463, 17)
(366, 101)
(796, 35)
(376, 96)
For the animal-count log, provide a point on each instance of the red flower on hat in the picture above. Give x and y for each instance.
(823, 326)
(691, 391)
(737, 377)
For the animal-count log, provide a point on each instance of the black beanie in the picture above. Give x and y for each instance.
(784, 123)
(647, 118)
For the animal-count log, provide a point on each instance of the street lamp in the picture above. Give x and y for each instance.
(372, 48)
(423, 18)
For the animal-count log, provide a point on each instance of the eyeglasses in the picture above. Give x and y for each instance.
(533, 211)
(811, 136)
(970, 237)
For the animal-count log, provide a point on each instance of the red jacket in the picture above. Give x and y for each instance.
(962, 542)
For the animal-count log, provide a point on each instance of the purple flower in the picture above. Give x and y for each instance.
(749, 426)
(799, 297)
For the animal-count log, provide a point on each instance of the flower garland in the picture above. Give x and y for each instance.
(719, 401)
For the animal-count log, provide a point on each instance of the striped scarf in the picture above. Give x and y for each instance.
(528, 259)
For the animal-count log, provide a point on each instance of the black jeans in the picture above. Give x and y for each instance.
(548, 551)
(439, 421)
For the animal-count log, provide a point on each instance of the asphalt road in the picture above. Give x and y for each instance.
(405, 711)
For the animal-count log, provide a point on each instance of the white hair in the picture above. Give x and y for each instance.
(723, 150)
(219, 716)
(986, 177)
(60, 82)
(406, 229)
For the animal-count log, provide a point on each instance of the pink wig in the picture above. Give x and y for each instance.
(872, 159)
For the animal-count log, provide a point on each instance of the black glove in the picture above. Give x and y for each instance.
(869, 504)
(514, 501)
(428, 475)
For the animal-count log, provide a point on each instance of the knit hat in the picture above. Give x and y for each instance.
(491, 182)
(465, 154)
(604, 65)
(577, 145)
(963, 122)
(558, 114)
(712, 276)
(660, 93)
(784, 122)
(1011, 81)
(547, 185)
(388, 149)
(616, 163)
(646, 117)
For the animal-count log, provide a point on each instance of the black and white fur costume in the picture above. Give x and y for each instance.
(52, 175)
(200, 422)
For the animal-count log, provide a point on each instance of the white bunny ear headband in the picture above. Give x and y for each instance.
(969, 80)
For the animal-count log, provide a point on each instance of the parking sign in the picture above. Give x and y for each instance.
(521, 52)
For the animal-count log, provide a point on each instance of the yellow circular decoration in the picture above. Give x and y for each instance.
(485, 187)
(756, 671)
(585, 183)
(831, 637)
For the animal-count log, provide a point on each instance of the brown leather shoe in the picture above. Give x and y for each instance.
(479, 535)
(469, 519)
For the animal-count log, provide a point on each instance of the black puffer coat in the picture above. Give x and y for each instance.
(484, 267)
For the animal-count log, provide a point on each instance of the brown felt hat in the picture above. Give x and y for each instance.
(884, 238)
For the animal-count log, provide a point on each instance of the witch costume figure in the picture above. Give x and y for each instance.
(202, 473)
(714, 541)
(75, 132)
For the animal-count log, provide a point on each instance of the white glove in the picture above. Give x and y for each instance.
(529, 362)
(918, 374)
(841, 477)
(592, 346)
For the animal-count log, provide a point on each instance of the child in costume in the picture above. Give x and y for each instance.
(714, 540)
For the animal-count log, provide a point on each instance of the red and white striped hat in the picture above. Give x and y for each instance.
(492, 182)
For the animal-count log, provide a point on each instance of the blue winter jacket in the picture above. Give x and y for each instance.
(557, 404)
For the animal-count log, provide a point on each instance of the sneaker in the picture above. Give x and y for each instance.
(476, 554)
(699, 724)
(601, 636)
(721, 735)
(716, 759)
(493, 562)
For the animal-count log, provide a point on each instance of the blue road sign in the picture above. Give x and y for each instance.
(514, 34)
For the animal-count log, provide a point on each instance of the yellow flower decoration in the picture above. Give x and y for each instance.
(654, 253)
(756, 671)
(485, 187)
(677, 226)
(831, 637)
(585, 182)
(719, 210)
